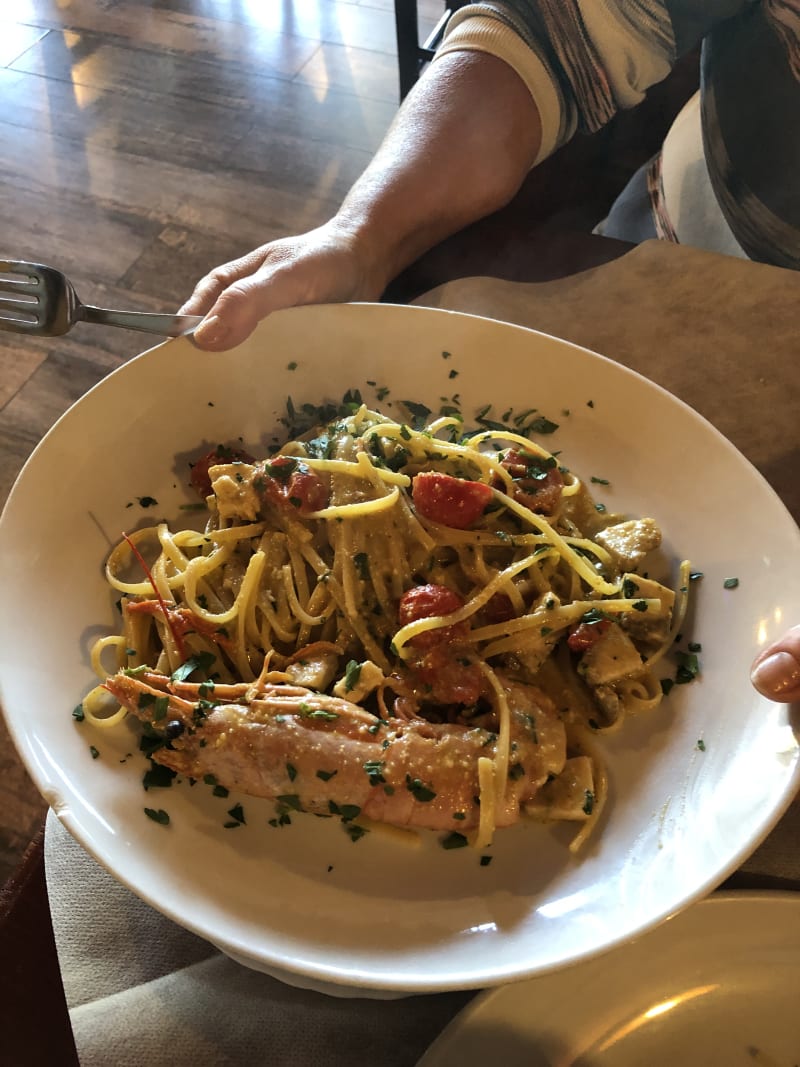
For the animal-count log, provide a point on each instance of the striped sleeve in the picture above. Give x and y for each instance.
(580, 59)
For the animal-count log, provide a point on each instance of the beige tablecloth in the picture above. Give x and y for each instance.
(719, 333)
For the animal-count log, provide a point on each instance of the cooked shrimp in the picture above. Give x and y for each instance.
(323, 754)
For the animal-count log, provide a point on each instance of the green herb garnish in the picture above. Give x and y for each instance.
(454, 840)
(157, 815)
(419, 790)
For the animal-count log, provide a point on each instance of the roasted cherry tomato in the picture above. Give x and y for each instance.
(442, 677)
(221, 454)
(290, 482)
(424, 601)
(537, 481)
(586, 634)
(498, 609)
(450, 501)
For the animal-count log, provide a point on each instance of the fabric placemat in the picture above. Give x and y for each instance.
(717, 332)
(143, 992)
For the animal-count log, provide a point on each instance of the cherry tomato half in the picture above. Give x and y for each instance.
(199, 478)
(449, 501)
(424, 601)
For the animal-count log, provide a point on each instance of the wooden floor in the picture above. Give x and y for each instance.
(142, 142)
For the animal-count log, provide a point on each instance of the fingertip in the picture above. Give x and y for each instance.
(777, 676)
(212, 333)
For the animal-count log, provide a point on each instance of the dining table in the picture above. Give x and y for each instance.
(92, 975)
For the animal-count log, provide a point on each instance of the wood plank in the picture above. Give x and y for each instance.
(336, 23)
(87, 61)
(71, 367)
(161, 22)
(19, 358)
(357, 70)
(16, 39)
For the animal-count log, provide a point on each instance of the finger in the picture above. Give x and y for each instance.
(239, 309)
(776, 670)
(212, 285)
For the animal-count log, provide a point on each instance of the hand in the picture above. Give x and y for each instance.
(327, 265)
(776, 670)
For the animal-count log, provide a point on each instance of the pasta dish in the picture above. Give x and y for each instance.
(391, 622)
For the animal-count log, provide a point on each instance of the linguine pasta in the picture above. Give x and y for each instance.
(420, 572)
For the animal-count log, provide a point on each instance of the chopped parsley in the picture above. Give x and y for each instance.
(419, 790)
(352, 673)
(160, 708)
(157, 815)
(200, 662)
(346, 812)
(374, 769)
(420, 413)
(309, 712)
(688, 667)
(454, 840)
(158, 777)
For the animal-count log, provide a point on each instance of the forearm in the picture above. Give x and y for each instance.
(458, 150)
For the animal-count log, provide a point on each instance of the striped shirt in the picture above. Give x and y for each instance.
(727, 175)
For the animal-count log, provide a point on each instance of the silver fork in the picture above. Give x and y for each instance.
(41, 300)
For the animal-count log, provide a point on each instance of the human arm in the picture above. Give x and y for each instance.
(513, 81)
(458, 149)
(776, 670)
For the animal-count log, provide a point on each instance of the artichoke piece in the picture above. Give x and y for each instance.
(629, 542)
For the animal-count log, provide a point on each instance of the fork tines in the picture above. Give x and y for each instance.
(19, 289)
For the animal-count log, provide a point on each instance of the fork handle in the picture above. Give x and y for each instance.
(165, 325)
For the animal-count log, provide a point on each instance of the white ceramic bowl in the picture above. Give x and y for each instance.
(305, 902)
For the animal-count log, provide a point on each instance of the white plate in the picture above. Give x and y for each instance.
(717, 985)
(306, 901)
